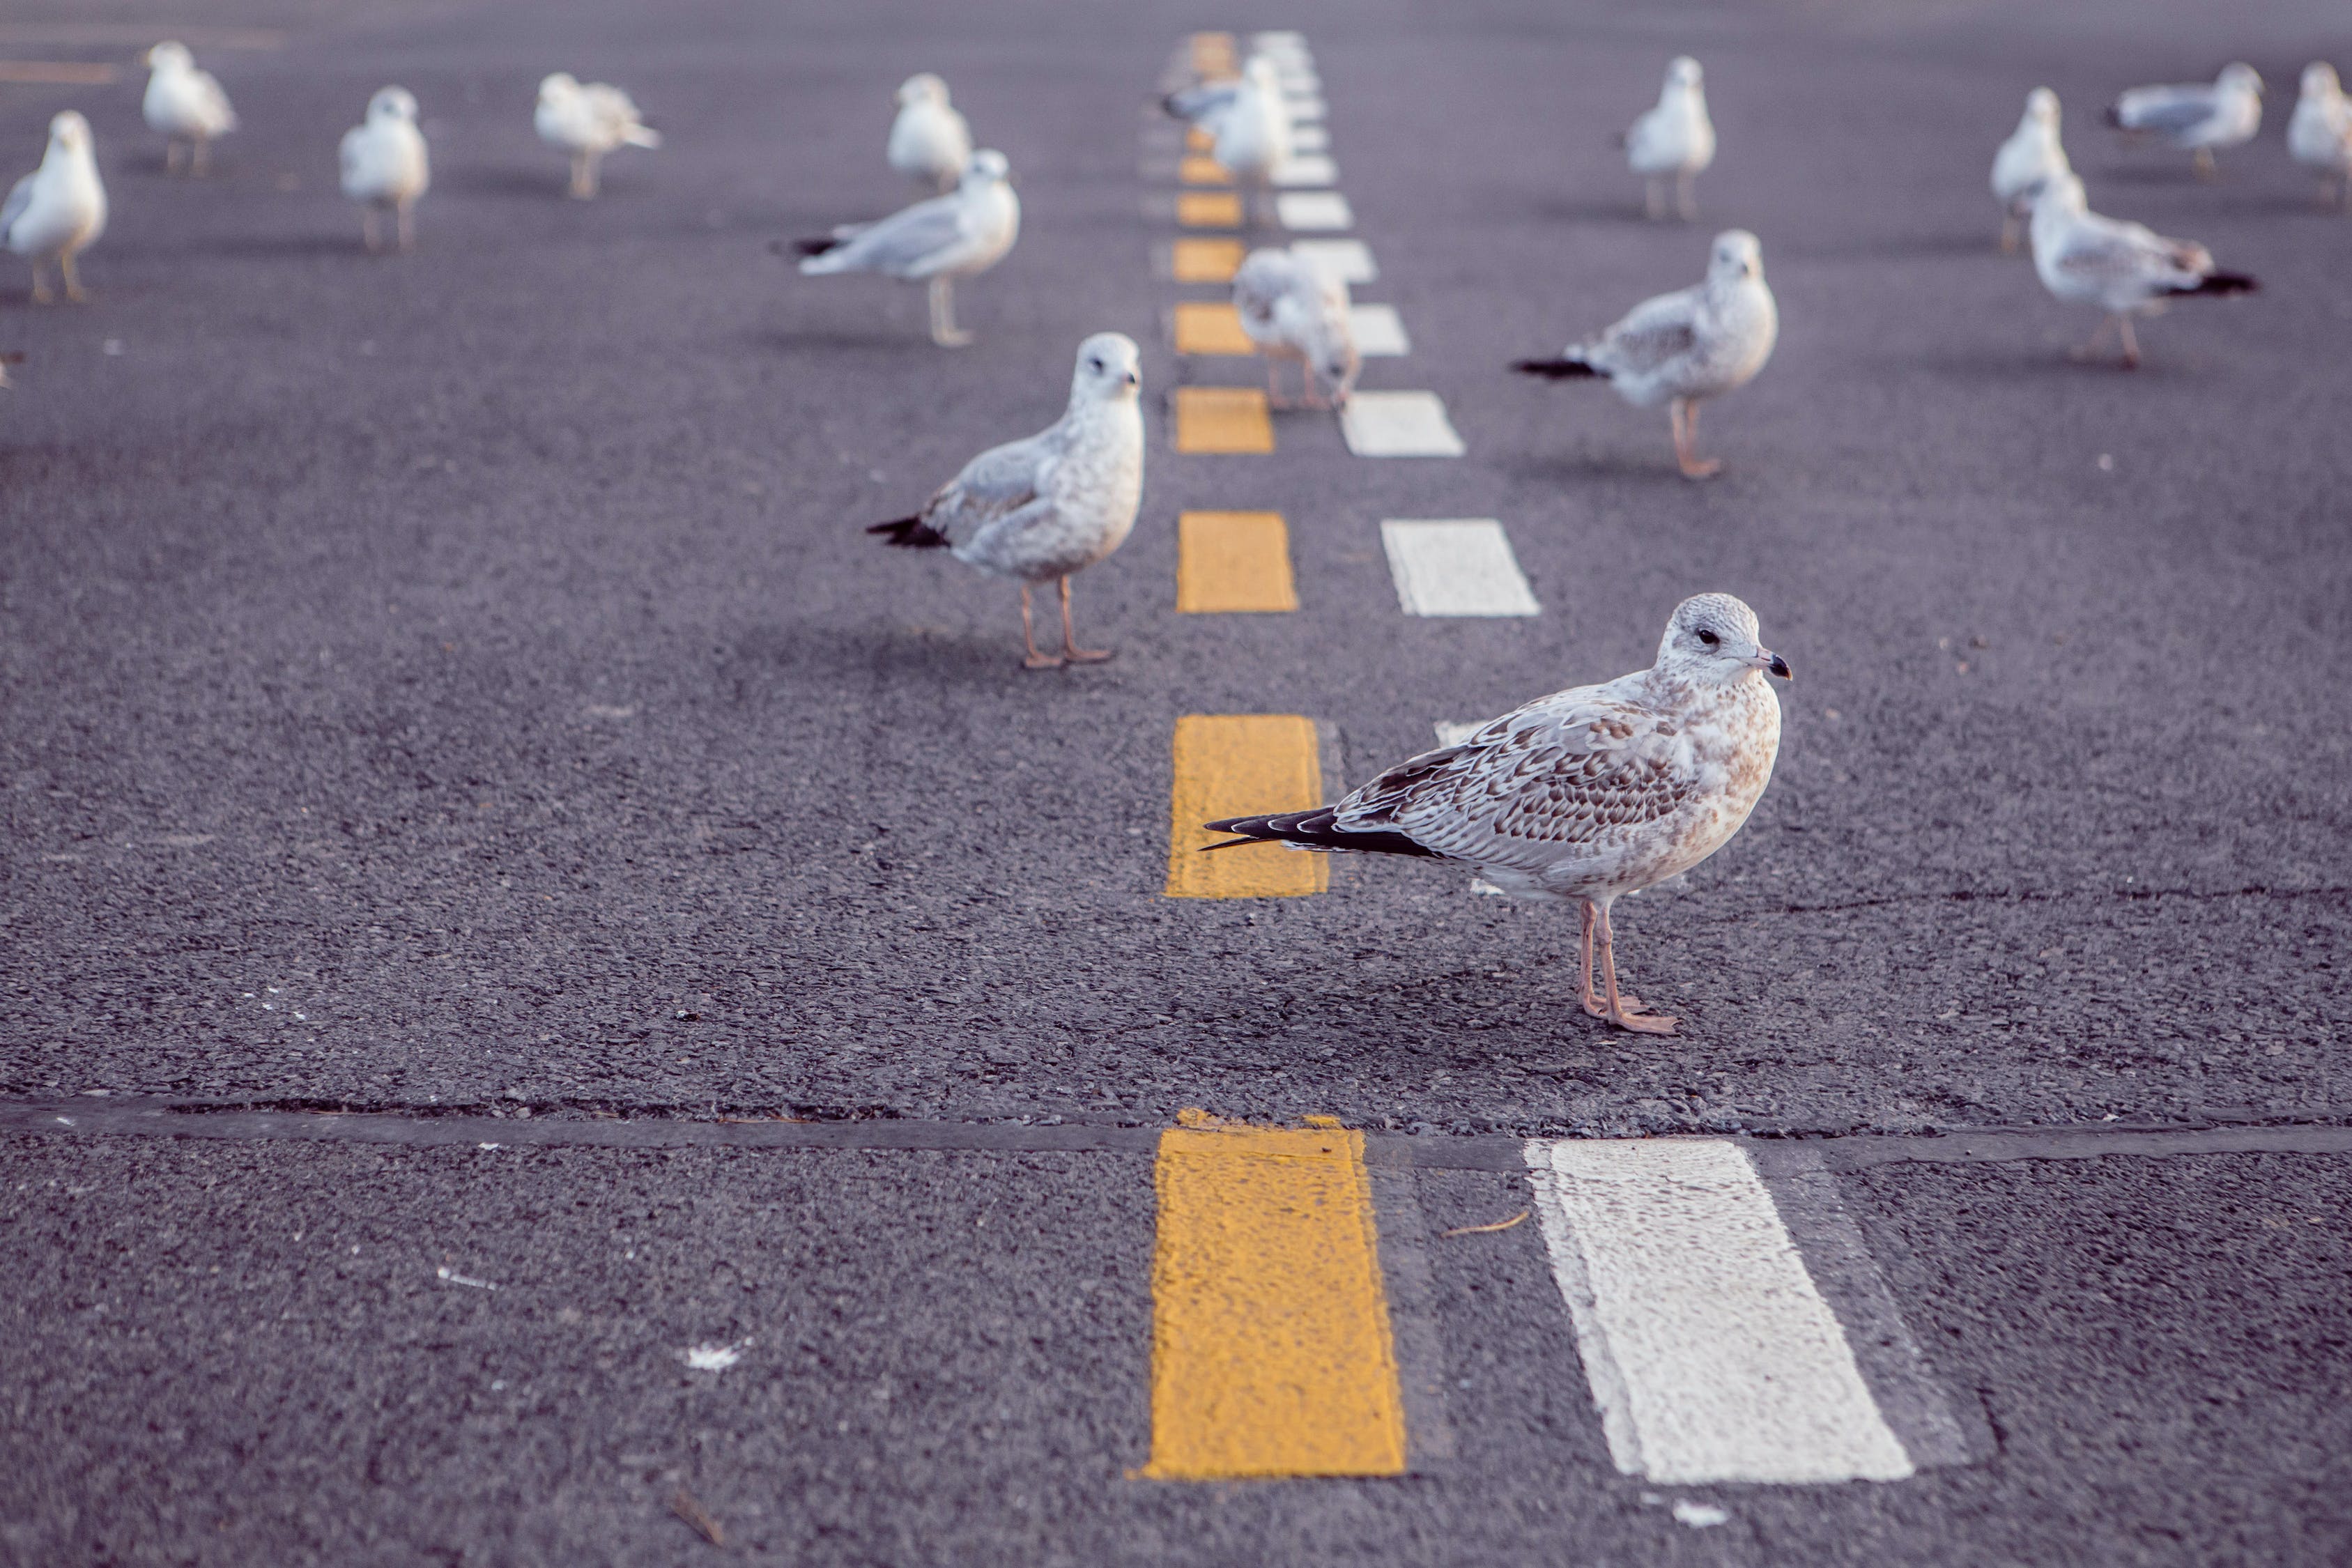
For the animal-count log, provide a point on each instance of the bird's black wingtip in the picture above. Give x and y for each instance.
(1561, 368)
(804, 246)
(908, 533)
(2227, 283)
(2115, 117)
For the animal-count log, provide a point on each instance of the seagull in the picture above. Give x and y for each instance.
(960, 234)
(384, 165)
(2197, 118)
(2123, 268)
(2320, 134)
(56, 212)
(588, 122)
(1039, 509)
(930, 141)
(2031, 155)
(1292, 311)
(1674, 138)
(1247, 121)
(184, 105)
(1681, 349)
(1590, 793)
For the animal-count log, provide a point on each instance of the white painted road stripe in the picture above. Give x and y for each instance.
(1314, 210)
(1309, 138)
(1308, 169)
(1455, 566)
(1398, 425)
(1711, 1353)
(1380, 331)
(1348, 260)
(1304, 106)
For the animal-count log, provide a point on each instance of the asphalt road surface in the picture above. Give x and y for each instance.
(455, 691)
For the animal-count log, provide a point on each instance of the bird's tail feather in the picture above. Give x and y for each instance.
(641, 136)
(1563, 367)
(910, 533)
(2224, 283)
(1317, 829)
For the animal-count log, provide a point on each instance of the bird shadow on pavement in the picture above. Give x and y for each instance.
(507, 180)
(1602, 463)
(933, 657)
(283, 245)
(882, 337)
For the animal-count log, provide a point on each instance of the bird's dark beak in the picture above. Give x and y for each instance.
(1780, 667)
(1132, 378)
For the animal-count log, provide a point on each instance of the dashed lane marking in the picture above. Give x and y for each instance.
(1209, 327)
(1379, 331)
(1205, 260)
(1233, 562)
(1398, 425)
(1197, 169)
(1709, 1351)
(1308, 169)
(1197, 140)
(1309, 211)
(1240, 764)
(1272, 1352)
(1221, 419)
(1455, 566)
(1304, 106)
(58, 73)
(1213, 55)
(1309, 138)
(1348, 260)
(1210, 209)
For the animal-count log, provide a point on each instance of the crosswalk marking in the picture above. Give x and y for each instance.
(1205, 260)
(1241, 764)
(1272, 1351)
(1310, 211)
(1348, 260)
(1305, 106)
(1398, 425)
(1197, 169)
(1209, 209)
(1709, 1350)
(1455, 566)
(1221, 419)
(1233, 562)
(1309, 138)
(1379, 331)
(1307, 168)
(1209, 327)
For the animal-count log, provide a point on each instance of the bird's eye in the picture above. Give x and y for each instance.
(1709, 639)
(1094, 364)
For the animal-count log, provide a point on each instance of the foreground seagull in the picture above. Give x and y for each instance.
(1676, 138)
(960, 234)
(184, 105)
(2199, 117)
(588, 122)
(1681, 349)
(1586, 794)
(2031, 155)
(384, 165)
(2320, 135)
(1039, 509)
(55, 212)
(2123, 268)
(1247, 122)
(1291, 310)
(929, 141)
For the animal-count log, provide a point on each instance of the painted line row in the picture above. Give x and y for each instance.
(1239, 562)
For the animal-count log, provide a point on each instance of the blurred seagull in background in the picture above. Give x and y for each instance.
(1681, 349)
(55, 212)
(384, 165)
(588, 122)
(929, 141)
(960, 234)
(184, 105)
(1292, 311)
(1247, 122)
(1676, 138)
(2031, 155)
(2320, 135)
(1588, 795)
(2197, 118)
(2123, 268)
(1039, 509)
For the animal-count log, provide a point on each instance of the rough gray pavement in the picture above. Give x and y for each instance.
(461, 680)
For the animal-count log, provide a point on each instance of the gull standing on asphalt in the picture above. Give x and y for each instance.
(184, 105)
(929, 141)
(55, 212)
(2123, 268)
(2320, 135)
(1039, 509)
(1681, 349)
(588, 122)
(2031, 155)
(1676, 138)
(1291, 310)
(384, 165)
(960, 234)
(1249, 124)
(2197, 118)
(1588, 795)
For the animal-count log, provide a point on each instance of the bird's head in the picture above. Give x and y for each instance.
(1712, 641)
(1683, 73)
(1737, 257)
(168, 56)
(393, 103)
(2041, 107)
(558, 86)
(69, 131)
(2319, 80)
(2240, 77)
(988, 167)
(923, 86)
(1110, 369)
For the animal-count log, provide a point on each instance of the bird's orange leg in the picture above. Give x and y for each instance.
(1591, 999)
(1070, 648)
(1029, 640)
(2131, 343)
(1685, 415)
(1626, 1011)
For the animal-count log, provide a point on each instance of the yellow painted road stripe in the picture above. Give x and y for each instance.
(1242, 765)
(1205, 260)
(1200, 171)
(1210, 327)
(1271, 1349)
(1212, 54)
(58, 73)
(1223, 419)
(1209, 209)
(1233, 562)
(1197, 140)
